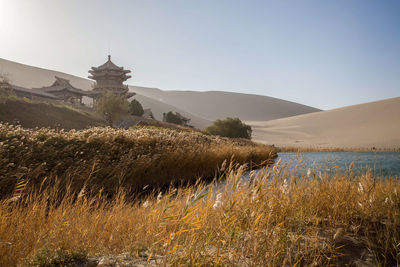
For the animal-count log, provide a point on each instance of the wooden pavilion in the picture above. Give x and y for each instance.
(63, 90)
(110, 78)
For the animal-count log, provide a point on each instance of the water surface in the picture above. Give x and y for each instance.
(381, 163)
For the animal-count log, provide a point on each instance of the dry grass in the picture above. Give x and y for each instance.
(272, 219)
(108, 158)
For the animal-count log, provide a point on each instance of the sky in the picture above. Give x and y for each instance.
(322, 53)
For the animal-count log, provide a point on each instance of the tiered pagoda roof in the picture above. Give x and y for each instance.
(109, 78)
(109, 69)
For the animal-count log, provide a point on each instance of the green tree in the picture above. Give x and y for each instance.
(111, 107)
(172, 118)
(135, 108)
(4, 85)
(230, 127)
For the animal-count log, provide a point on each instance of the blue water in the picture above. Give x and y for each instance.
(380, 163)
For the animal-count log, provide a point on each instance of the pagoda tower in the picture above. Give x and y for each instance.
(109, 78)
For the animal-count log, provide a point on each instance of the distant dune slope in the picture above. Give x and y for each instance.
(201, 107)
(34, 77)
(214, 105)
(158, 108)
(31, 77)
(374, 124)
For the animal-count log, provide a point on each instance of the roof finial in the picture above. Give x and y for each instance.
(109, 58)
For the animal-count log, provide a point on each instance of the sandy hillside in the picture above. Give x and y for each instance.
(34, 77)
(201, 107)
(214, 105)
(31, 77)
(159, 108)
(374, 124)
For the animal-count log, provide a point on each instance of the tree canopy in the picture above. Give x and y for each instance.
(135, 108)
(4, 84)
(111, 107)
(174, 118)
(230, 127)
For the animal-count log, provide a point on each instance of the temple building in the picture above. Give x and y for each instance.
(109, 78)
(22, 92)
(63, 90)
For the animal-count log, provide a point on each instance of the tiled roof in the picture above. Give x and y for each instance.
(33, 92)
(109, 65)
(62, 84)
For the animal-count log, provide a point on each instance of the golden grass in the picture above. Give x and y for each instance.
(272, 219)
(109, 158)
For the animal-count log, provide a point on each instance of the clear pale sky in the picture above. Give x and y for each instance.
(322, 53)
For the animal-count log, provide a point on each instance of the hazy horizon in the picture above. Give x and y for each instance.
(322, 54)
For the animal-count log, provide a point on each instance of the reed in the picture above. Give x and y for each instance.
(274, 218)
(109, 158)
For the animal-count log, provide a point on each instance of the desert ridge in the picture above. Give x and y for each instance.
(201, 107)
(213, 105)
(274, 121)
(373, 124)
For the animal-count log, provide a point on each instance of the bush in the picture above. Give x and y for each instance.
(112, 107)
(230, 127)
(135, 108)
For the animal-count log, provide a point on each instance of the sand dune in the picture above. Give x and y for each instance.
(374, 124)
(34, 77)
(158, 108)
(31, 77)
(214, 105)
(200, 107)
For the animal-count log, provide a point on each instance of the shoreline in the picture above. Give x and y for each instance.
(333, 149)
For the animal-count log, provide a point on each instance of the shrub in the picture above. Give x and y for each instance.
(230, 127)
(135, 108)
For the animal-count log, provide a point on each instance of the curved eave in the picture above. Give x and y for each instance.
(109, 76)
(99, 69)
(110, 73)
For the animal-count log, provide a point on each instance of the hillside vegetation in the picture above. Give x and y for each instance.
(108, 158)
(38, 114)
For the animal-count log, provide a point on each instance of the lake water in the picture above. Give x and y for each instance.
(382, 163)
